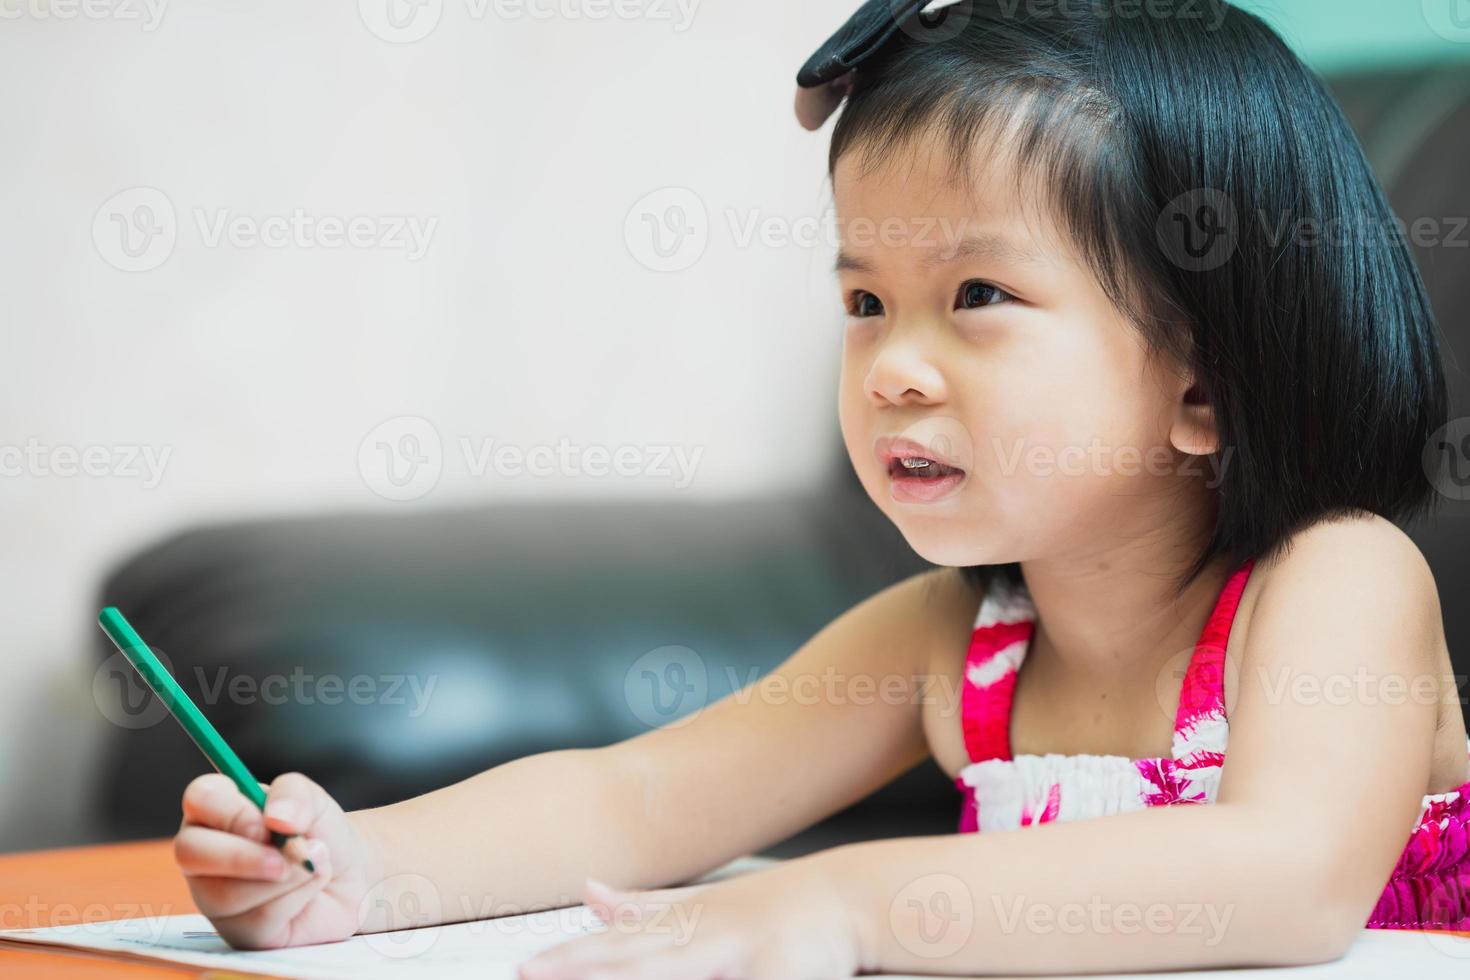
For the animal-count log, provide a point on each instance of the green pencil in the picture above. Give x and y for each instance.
(214, 747)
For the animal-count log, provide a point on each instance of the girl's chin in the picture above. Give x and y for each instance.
(951, 547)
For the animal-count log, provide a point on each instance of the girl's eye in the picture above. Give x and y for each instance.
(977, 293)
(863, 304)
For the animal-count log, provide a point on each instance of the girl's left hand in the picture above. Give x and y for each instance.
(788, 922)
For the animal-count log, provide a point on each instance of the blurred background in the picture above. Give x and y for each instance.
(410, 373)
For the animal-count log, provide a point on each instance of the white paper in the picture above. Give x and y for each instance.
(491, 949)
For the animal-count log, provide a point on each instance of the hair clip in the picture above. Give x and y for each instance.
(827, 77)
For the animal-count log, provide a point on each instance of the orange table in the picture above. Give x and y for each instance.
(89, 884)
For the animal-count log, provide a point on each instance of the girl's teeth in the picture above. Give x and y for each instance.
(912, 463)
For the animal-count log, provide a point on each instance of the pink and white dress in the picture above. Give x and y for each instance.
(1429, 887)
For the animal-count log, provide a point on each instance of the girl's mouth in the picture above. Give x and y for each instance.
(921, 480)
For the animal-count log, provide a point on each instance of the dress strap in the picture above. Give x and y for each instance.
(998, 644)
(1200, 731)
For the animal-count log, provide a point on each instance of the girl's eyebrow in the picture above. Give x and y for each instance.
(982, 246)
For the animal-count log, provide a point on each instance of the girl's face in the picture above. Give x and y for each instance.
(977, 344)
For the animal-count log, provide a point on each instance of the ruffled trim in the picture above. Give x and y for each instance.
(1030, 789)
(1430, 885)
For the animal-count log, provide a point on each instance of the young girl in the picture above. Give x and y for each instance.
(1134, 352)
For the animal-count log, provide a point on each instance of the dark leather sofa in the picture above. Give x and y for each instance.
(528, 619)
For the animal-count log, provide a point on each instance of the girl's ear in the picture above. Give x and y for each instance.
(1193, 431)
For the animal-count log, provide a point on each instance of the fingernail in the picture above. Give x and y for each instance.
(317, 851)
(275, 867)
(283, 810)
(601, 884)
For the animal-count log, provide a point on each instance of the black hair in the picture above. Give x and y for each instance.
(1222, 201)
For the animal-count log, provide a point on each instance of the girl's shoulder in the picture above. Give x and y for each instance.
(1334, 564)
(1348, 611)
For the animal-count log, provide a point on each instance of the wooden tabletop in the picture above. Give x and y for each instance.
(89, 884)
(98, 883)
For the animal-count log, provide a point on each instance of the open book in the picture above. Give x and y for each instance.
(491, 949)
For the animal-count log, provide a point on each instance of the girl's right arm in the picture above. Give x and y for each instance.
(837, 720)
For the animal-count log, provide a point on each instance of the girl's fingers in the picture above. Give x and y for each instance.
(294, 803)
(269, 925)
(230, 897)
(212, 800)
(203, 851)
(587, 954)
(607, 901)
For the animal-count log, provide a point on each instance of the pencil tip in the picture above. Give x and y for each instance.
(306, 863)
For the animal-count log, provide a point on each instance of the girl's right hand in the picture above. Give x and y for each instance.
(255, 896)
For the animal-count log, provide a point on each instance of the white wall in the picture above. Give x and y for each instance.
(530, 318)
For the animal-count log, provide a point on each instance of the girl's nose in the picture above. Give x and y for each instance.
(902, 374)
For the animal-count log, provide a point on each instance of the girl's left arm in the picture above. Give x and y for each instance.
(1330, 752)
(1331, 735)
